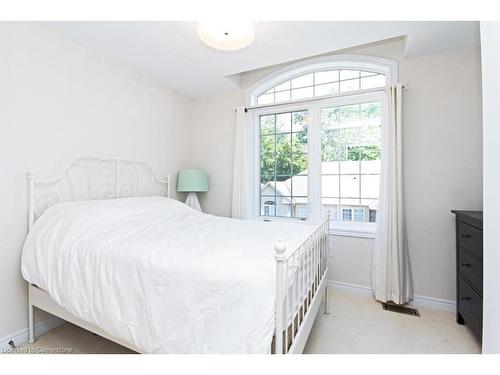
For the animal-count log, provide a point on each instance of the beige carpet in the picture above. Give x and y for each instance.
(356, 324)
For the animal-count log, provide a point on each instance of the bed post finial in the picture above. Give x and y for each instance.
(279, 249)
(30, 175)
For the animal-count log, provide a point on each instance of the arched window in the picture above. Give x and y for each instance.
(322, 83)
(322, 77)
(318, 129)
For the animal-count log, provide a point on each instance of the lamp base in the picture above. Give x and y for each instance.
(193, 202)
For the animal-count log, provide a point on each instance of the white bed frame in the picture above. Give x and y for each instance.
(300, 273)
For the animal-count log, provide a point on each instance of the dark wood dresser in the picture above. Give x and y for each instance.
(469, 240)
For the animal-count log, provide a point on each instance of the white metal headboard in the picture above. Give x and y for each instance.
(93, 178)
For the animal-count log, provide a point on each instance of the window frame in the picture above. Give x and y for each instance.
(351, 228)
(348, 62)
(285, 108)
(341, 228)
(313, 106)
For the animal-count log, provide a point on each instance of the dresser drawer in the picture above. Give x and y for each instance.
(470, 238)
(471, 269)
(470, 305)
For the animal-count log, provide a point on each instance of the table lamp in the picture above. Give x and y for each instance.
(192, 181)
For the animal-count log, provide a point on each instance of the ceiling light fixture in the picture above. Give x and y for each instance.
(226, 35)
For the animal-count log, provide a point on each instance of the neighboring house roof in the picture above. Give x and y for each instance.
(298, 183)
(284, 189)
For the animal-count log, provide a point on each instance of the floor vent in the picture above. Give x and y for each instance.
(400, 309)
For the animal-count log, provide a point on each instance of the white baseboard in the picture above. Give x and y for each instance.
(434, 303)
(417, 301)
(20, 337)
(351, 288)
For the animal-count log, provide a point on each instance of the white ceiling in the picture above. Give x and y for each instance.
(171, 52)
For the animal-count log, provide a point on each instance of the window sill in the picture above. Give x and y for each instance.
(360, 231)
(283, 219)
(366, 230)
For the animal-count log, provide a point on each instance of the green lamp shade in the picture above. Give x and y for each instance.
(192, 181)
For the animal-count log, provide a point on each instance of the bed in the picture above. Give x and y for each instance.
(110, 251)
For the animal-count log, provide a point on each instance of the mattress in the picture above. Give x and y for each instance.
(160, 275)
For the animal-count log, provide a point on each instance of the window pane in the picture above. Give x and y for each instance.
(326, 77)
(299, 164)
(349, 116)
(303, 93)
(265, 99)
(370, 186)
(284, 123)
(282, 96)
(330, 118)
(370, 166)
(267, 125)
(349, 74)
(282, 86)
(330, 167)
(299, 121)
(349, 186)
(268, 184)
(299, 143)
(327, 89)
(284, 206)
(302, 81)
(349, 141)
(283, 156)
(350, 165)
(349, 85)
(369, 135)
(370, 113)
(331, 145)
(299, 186)
(330, 186)
(372, 82)
(267, 144)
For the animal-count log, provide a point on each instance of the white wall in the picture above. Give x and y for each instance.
(490, 56)
(59, 101)
(442, 161)
(213, 121)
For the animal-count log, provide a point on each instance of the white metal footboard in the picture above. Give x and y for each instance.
(300, 283)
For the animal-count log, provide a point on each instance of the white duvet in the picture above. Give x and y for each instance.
(160, 275)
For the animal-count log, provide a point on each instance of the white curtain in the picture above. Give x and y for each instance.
(239, 208)
(391, 266)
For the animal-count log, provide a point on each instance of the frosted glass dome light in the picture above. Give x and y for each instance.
(226, 36)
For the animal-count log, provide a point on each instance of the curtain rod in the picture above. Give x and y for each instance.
(340, 95)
